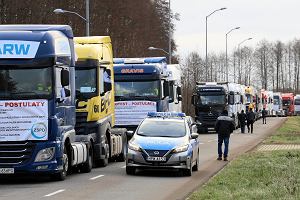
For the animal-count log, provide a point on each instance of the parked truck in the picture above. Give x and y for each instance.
(37, 102)
(277, 107)
(288, 103)
(141, 86)
(297, 104)
(95, 113)
(210, 99)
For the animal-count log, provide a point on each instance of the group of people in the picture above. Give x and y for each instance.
(225, 125)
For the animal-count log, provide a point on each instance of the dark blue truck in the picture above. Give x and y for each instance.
(37, 102)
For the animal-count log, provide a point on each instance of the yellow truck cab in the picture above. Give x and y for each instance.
(94, 84)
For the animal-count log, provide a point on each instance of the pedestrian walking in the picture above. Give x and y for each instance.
(264, 116)
(224, 127)
(250, 120)
(242, 120)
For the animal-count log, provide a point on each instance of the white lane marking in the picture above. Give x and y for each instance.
(96, 177)
(54, 193)
(210, 140)
(201, 143)
(123, 167)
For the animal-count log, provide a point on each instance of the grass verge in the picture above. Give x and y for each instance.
(288, 133)
(263, 175)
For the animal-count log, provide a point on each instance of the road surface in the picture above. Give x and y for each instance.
(112, 183)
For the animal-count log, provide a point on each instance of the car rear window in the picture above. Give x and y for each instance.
(162, 128)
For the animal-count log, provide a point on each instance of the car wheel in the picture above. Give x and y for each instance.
(130, 170)
(196, 166)
(188, 172)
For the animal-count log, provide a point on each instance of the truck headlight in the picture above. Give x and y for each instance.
(45, 154)
(181, 148)
(134, 147)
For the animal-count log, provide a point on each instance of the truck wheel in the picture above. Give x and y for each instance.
(122, 156)
(65, 162)
(130, 170)
(88, 165)
(104, 162)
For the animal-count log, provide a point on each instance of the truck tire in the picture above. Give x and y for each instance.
(104, 162)
(122, 156)
(130, 170)
(88, 165)
(60, 176)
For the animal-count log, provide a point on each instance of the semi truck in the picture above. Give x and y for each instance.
(37, 102)
(288, 103)
(141, 86)
(211, 98)
(95, 113)
(297, 104)
(277, 104)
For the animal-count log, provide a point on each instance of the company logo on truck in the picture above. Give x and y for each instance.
(18, 49)
(39, 130)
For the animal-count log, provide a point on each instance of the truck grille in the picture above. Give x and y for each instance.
(210, 116)
(83, 127)
(15, 153)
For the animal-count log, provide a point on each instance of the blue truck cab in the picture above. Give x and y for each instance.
(37, 102)
(141, 86)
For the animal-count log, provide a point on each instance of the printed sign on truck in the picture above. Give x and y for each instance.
(22, 120)
(133, 112)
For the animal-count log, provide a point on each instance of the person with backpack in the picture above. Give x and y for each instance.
(250, 120)
(224, 127)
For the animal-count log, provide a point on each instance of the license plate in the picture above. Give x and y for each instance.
(159, 159)
(7, 170)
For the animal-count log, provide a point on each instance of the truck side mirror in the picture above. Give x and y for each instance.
(179, 98)
(107, 80)
(166, 88)
(67, 92)
(64, 77)
(178, 91)
(194, 100)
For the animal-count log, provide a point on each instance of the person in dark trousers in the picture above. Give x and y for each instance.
(224, 127)
(242, 120)
(264, 116)
(250, 120)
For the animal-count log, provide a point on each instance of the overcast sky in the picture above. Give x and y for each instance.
(261, 19)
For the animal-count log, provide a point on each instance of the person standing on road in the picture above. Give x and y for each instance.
(242, 120)
(224, 127)
(250, 120)
(264, 116)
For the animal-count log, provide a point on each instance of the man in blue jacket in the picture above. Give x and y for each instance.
(224, 127)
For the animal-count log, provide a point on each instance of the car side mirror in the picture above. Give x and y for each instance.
(194, 135)
(129, 134)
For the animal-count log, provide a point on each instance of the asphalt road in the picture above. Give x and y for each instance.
(112, 183)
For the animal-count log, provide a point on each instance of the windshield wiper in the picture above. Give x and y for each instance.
(139, 96)
(30, 93)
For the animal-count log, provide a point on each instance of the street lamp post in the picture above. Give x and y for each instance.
(206, 61)
(239, 51)
(87, 15)
(160, 49)
(226, 59)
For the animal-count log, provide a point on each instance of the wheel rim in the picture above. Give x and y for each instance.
(65, 163)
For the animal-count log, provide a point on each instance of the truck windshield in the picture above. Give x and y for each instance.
(162, 128)
(276, 100)
(86, 81)
(286, 102)
(135, 90)
(297, 101)
(20, 83)
(213, 99)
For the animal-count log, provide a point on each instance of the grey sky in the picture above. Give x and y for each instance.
(261, 19)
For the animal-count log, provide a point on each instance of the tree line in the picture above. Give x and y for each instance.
(270, 65)
(133, 25)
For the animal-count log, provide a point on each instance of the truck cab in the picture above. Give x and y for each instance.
(141, 86)
(95, 112)
(288, 103)
(37, 102)
(297, 104)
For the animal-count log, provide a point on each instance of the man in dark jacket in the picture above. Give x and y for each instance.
(242, 120)
(264, 116)
(250, 120)
(224, 127)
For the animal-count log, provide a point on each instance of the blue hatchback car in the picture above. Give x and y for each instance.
(162, 141)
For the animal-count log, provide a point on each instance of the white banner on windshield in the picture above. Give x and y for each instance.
(23, 120)
(133, 112)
